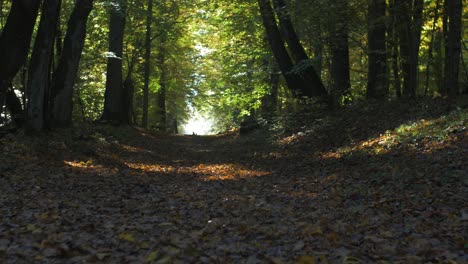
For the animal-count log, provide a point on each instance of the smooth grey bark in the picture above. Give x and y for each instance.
(40, 66)
(15, 40)
(114, 82)
(67, 68)
(377, 85)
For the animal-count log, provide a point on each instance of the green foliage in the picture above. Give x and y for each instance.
(438, 129)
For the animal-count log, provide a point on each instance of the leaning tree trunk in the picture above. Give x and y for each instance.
(14, 46)
(377, 85)
(314, 84)
(114, 83)
(67, 68)
(293, 81)
(40, 66)
(453, 44)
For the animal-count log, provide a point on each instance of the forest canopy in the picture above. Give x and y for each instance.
(165, 64)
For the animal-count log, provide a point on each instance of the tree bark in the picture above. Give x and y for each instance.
(67, 68)
(14, 46)
(394, 43)
(430, 54)
(453, 46)
(40, 66)
(314, 84)
(149, 19)
(339, 52)
(161, 111)
(293, 81)
(377, 85)
(114, 82)
(409, 15)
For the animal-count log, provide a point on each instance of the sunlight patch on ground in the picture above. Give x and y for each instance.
(224, 172)
(151, 167)
(206, 172)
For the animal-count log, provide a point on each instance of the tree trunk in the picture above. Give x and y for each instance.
(280, 53)
(39, 68)
(377, 85)
(453, 44)
(149, 19)
(114, 82)
(438, 61)
(162, 114)
(14, 46)
(339, 52)
(128, 93)
(13, 104)
(394, 42)
(430, 56)
(416, 29)
(314, 84)
(67, 68)
(409, 15)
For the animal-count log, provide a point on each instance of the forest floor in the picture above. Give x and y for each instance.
(360, 185)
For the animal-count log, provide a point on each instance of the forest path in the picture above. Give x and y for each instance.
(139, 198)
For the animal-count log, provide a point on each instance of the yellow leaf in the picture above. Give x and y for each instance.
(152, 256)
(34, 229)
(127, 237)
(351, 260)
(306, 260)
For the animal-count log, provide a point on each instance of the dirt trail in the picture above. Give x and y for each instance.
(224, 199)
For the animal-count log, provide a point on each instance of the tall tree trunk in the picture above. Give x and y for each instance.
(410, 20)
(404, 32)
(67, 68)
(314, 84)
(14, 46)
(339, 52)
(453, 46)
(161, 110)
(39, 67)
(430, 56)
(377, 85)
(114, 82)
(416, 29)
(270, 100)
(438, 61)
(149, 19)
(394, 44)
(293, 81)
(128, 92)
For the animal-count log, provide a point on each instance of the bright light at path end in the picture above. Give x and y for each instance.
(198, 125)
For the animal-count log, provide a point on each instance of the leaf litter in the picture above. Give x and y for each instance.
(89, 195)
